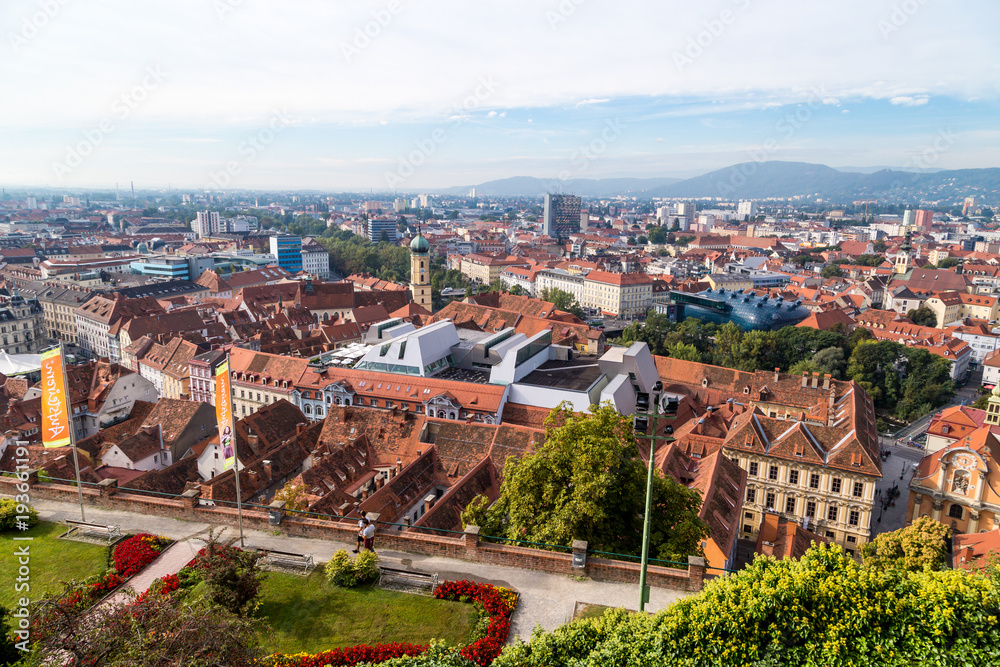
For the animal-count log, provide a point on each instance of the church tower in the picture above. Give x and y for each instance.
(903, 256)
(420, 271)
(993, 407)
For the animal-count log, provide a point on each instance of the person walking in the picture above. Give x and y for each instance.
(369, 535)
(361, 529)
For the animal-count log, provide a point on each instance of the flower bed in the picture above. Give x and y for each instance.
(499, 604)
(165, 585)
(136, 552)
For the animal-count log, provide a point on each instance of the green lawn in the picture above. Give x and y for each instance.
(309, 614)
(52, 561)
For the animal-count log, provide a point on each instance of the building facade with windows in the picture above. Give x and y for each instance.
(955, 485)
(22, 328)
(288, 251)
(808, 444)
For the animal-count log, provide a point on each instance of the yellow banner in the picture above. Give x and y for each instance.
(55, 402)
(224, 414)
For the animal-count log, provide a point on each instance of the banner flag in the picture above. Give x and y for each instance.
(224, 414)
(55, 401)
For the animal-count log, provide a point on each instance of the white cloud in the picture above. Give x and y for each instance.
(216, 66)
(909, 101)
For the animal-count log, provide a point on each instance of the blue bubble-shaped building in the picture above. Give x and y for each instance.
(750, 311)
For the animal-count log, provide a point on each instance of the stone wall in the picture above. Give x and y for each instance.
(467, 546)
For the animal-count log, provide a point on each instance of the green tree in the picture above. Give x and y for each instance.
(658, 235)
(684, 351)
(562, 300)
(727, 345)
(919, 546)
(587, 482)
(517, 290)
(642, 240)
(294, 496)
(923, 316)
(831, 271)
(948, 262)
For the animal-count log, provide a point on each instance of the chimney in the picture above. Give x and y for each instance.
(815, 380)
(429, 502)
(267, 468)
(776, 370)
(379, 482)
(805, 379)
(252, 440)
(364, 494)
(826, 381)
(406, 521)
(299, 428)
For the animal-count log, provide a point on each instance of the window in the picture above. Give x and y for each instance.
(753, 469)
(748, 515)
(852, 539)
(793, 477)
(955, 511)
(854, 517)
(835, 485)
(831, 513)
(811, 509)
(769, 500)
(751, 495)
(830, 534)
(790, 505)
(747, 529)
(772, 472)
(814, 481)
(859, 489)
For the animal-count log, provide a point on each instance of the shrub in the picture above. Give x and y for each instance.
(233, 577)
(340, 570)
(822, 609)
(366, 567)
(343, 571)
(10, 510)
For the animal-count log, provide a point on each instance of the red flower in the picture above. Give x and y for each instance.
(136, 553)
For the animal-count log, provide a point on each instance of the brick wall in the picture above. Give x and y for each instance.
(463, 547)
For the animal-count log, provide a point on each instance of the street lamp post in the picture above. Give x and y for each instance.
(669, 412)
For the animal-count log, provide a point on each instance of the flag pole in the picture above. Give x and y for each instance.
(236, 466)
(72, 429)
(227, 420)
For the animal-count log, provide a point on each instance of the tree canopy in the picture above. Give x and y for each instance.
(822, 609)
(919, 546)
(588, 482)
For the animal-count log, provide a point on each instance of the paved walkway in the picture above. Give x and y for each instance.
(547, 599)
(170, 561)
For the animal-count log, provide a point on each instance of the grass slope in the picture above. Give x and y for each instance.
(308, 614)
(52, 561)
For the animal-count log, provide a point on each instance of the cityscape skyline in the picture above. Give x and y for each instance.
(215, 95)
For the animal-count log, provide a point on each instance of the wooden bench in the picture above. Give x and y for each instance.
(273, 557)
(409, 576)
(111, 532)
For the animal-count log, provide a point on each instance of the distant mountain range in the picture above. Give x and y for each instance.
(762, 180)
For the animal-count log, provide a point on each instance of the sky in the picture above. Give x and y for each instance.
(408, 95)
